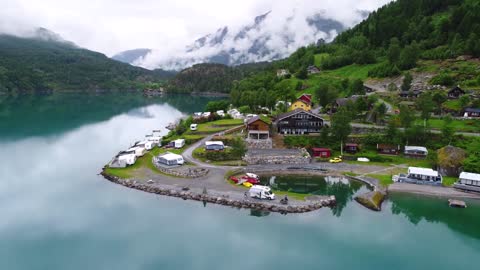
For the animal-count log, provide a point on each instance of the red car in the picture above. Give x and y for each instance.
(234, 179)
(251, 180)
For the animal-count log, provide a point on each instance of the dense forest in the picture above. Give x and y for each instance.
(33, 64)
(217, 78)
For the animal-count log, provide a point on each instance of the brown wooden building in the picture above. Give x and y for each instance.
(258, 128)
(387, 149)
(299, 122)
(456, 93)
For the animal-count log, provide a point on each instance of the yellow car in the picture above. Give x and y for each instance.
(335, 160)
(247, 184)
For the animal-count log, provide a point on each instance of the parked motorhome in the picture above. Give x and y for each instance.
(155, 138)
(415, 151)
(214, 145)
(417, 175)
(138, 150)
(179, 143)
(169, 159)
(261, 192)
(193, 127)
(468, 181)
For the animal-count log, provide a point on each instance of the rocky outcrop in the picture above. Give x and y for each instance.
(259, 144)
(372, 200)
(220, 199)
(183, 172)
(277, 156)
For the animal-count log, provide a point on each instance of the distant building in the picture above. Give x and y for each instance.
(258, 128)
(299, 122)
(472, 112)
(282, 73)
(387, 149)
(340, 102)
(313, 70)
(321, 152)
(351, 148)
(456, 93)
(303, 102)
(468, 181)
(410, 94)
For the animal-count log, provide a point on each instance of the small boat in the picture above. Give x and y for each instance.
(457, 203)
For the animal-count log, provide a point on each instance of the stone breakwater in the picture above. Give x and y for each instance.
(222, 199)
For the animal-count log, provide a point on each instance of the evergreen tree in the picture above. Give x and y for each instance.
(407, 82)
(394, 51)
(358, 87)
(341, 127)
(406, 116)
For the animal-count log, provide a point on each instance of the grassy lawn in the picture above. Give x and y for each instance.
(200, 150)
(452, 105)
(352, 71)
(385, 179)
(142, 162)
(449, 180)
(215, 126)
(470, 125)
(393, 160)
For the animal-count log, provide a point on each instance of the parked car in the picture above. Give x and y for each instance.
(251, 180)
(247, 184)
(335, 160)
(234, 179)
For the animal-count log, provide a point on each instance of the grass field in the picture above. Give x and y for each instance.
(467, 125)
(449, 181)
(385, 179)
(215, 126)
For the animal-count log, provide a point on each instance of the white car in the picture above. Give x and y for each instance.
(193, 127)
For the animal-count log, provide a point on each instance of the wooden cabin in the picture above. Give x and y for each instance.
(388, 149)
(258, 128)
(299, 122)
(351, 148)
(455, 93)
(321, 152)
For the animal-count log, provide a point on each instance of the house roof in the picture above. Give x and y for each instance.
(416, 148)
(475, 110)
(170, 156)
(306, 98)
(296, 111)
(321, 149)
(387, 146)
(456, 88)
(343, 101)
(256, 118)
(470, 176)
(422, 171)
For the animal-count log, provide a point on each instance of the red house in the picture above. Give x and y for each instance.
(321, 152)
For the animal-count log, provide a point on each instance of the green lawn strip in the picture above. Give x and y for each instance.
(449, 180)
(197, 154)
(385, 179)
(467, 125)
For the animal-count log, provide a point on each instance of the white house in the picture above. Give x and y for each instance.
(170, 159)
(214, 145)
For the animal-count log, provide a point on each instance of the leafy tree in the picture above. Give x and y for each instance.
(361, 105)
(341, 127)
(464, 101)
(409, 56)
(302, 73)
(392, 133)
(439, 99)
(213, 106)
(392, 87)
(407, 82)
(473, 45)
(325, 95)
(425, 105)
(380, 110)
(358, 87)
(394, 51)
(447, 129)
(406, 116)
(239, 147)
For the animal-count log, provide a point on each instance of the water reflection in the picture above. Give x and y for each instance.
(417, 208)
(343, 188)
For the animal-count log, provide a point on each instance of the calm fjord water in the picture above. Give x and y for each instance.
(57, 213)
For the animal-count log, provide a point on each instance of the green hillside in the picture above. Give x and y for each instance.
(32, 64)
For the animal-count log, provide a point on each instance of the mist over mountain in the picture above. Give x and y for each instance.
(270, 36)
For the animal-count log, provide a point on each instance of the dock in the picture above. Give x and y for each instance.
(457, 203)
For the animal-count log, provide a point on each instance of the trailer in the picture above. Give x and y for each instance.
(179, 143)
(138, 150)
(148, 145)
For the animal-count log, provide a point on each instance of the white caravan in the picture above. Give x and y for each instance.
(138, 150)
(127, 157)
(261, 192)
(179, 143)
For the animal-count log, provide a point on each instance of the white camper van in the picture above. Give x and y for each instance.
(179, 143)
(193, 127)
(138, 150)
(261, 192)
(148, 145)
(155, 137)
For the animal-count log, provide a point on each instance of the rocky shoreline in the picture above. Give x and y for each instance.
(222, 199)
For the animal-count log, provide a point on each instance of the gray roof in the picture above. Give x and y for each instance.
(476, 110)
(296, 111)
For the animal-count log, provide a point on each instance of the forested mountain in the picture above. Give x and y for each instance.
(47, 62)
(131, 56)
(391, 41)
(219, 78)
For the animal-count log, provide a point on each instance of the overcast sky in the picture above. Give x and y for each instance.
(110, 26)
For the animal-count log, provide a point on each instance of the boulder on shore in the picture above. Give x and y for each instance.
(372, 200)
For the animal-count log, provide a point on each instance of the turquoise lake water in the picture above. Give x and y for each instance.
(57, 213)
